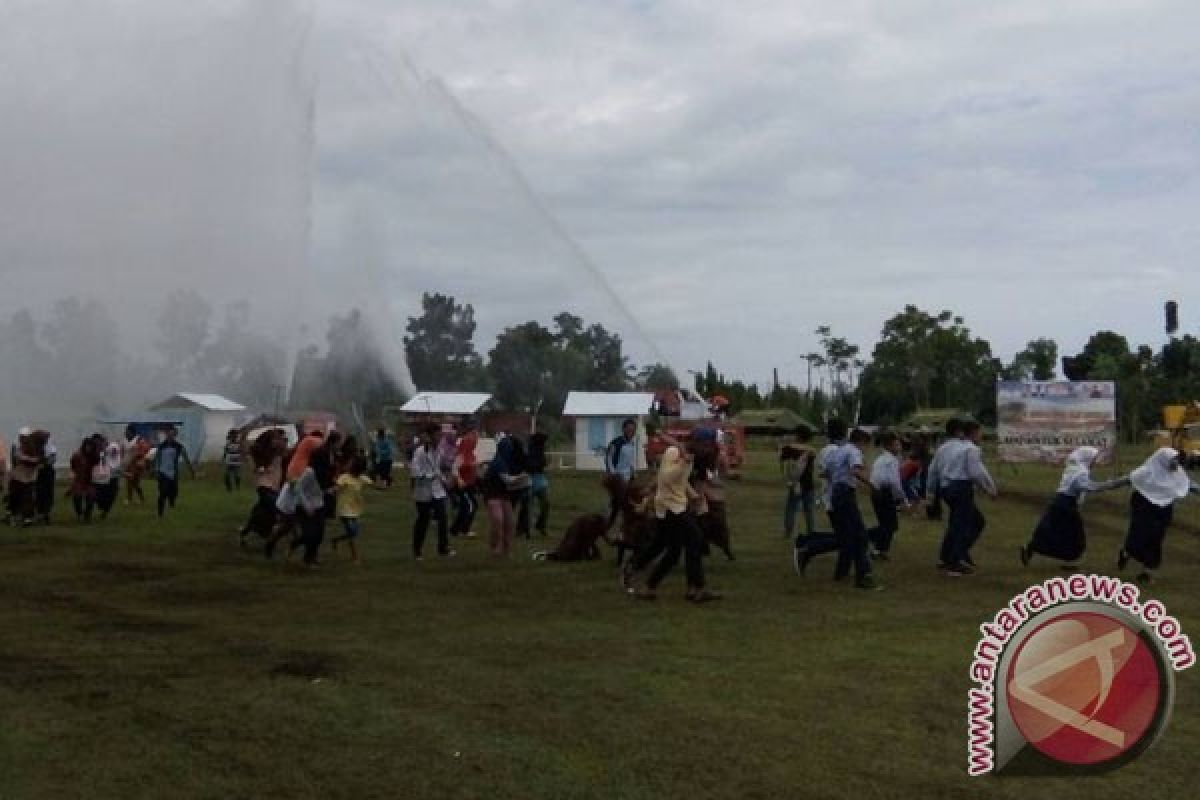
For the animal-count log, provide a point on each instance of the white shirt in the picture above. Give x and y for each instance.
(885, 474)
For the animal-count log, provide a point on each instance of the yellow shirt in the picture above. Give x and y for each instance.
(673, 490)
(350, 495)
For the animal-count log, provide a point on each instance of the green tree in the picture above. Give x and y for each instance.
(928, 361)
(440, 348)
(657, 377)
(1038, 362)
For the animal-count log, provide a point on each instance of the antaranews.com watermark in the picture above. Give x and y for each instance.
(1078, 671)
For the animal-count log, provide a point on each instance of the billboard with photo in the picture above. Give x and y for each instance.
(1043, 421)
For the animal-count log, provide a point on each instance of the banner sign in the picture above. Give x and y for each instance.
(1043, 421)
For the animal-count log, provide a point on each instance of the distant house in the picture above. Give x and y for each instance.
(206, 421)
(444, 406)
(598, 417)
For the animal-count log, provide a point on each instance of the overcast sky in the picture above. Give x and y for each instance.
(740, 172)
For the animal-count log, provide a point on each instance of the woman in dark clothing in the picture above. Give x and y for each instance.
(266, 455)
(1158, 485)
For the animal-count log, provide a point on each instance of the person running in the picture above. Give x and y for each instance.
(539, 486)
(102, 476)
(349, 490)
(809, 546)
(797, 462)
(384, 456)
(134, 466)
(167, 457)
(44, 485)
(1060, 533)
(266, 455)
(314, 490)
(231, 459)
(82, 490)
(676, 531)
(429, 493)
(1157, 485)
(887, 492)
(26, 457)
(287, 503)
(620, 462)
(847, 472)
(958, 473)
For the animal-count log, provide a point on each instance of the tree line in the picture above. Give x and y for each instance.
(922, 360)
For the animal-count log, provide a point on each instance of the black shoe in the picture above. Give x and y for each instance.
(1026, 554)
(1122, 559)
(970, 562)
(868, 582)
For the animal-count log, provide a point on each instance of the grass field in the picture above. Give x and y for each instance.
(146, 659)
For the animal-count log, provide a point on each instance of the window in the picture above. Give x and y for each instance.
(597, 435)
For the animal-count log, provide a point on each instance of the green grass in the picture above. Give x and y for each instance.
(140, 659)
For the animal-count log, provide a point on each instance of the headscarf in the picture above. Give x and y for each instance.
(1078, 463)
(1157, 482)
(303, 455)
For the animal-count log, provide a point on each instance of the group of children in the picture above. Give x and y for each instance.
(952, 476)
(97, 467)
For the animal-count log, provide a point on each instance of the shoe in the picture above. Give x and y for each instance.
(1122, 559)
(880, 554)
(1025, 554)
(451, 553)
(800, 558)
(643, 594)
(470, 535)
(868, 582)
(418, 557)
(702, 596)
(954, 570)
(968, 561)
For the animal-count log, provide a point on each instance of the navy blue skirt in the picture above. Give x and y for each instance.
(1059, 533)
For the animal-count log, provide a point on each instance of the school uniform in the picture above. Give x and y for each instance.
(1060, 533)
(848, 525)
(959, 472)
(887, 491)
(1157, 487)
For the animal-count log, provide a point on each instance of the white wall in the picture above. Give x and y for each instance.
(587, 459)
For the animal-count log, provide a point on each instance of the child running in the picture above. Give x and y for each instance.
(1157, 486)
(887, 492)
(1060, 533)
(349, 490)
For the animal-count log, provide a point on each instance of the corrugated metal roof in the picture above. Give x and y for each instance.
(209, 402)
(608, 404)
(446, 403)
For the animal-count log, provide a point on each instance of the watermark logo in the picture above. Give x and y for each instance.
(1076, 674)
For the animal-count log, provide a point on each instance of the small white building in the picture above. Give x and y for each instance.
(207, 420)
(598, 417)
(437, 405)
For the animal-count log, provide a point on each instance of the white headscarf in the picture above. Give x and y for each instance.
(1078, 463)
(1157, 482)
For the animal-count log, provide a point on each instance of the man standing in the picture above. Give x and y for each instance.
(620, 462)
(887, 492)
(169, 454)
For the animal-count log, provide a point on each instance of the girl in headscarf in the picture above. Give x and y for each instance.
(1157, 485)
(1060, 533)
